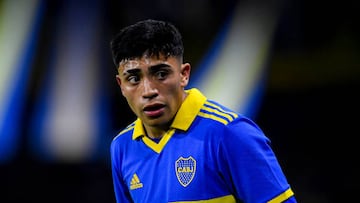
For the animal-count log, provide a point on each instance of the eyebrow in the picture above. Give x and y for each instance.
(152, 69)
(157, 67)
(131, 71)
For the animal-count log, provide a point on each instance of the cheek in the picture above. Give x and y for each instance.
(174, 91)
(127, 90)
(131, 95)
(171, 88)
(127, 93)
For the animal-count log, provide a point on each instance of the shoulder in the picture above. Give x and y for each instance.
(231, 124)
(245, 135)
(217, 113)
(226, 117)
(124, 133)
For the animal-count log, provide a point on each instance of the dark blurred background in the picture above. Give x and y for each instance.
(60, 105)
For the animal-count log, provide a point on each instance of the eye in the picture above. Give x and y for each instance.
(161, 75)
(133, 79)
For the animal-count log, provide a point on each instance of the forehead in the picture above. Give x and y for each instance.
(146, 61)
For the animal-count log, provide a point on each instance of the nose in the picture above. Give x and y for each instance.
(149, 89)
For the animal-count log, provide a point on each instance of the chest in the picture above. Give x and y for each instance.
(184, 168)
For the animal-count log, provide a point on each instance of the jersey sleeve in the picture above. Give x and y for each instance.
(122, 194)
(249, 165)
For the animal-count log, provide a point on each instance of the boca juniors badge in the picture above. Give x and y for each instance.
(185, 170)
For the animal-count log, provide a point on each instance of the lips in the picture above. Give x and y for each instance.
(154, 110)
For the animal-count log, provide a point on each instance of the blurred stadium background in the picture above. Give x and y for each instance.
(292, 66)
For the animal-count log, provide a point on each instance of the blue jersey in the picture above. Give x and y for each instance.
(209, 154)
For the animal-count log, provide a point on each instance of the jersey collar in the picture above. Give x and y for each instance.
(185, 115)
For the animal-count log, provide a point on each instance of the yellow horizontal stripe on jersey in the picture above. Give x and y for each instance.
(211, 116)
(224, 199)
(282, 197)
(221, 109)
(218, 113)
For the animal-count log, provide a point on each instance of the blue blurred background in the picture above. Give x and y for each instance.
(292, 66)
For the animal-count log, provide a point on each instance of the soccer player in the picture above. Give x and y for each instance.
(183, 147)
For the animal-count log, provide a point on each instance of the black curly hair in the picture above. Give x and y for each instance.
(152, 37)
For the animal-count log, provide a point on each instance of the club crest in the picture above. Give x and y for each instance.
(185, 170)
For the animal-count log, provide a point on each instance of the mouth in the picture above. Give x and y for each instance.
(154, 110)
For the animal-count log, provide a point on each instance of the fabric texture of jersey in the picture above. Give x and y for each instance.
(209, 154)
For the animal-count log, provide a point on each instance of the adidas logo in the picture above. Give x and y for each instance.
(135, 182)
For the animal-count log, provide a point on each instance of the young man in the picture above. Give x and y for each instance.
(183, 147)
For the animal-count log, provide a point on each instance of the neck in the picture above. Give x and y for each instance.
(155, 132)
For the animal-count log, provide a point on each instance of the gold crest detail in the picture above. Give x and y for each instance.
(185, 169)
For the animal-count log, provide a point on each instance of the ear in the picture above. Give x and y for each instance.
(185, 73)
(118, 80)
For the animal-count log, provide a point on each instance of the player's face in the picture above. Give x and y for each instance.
(154, 87)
